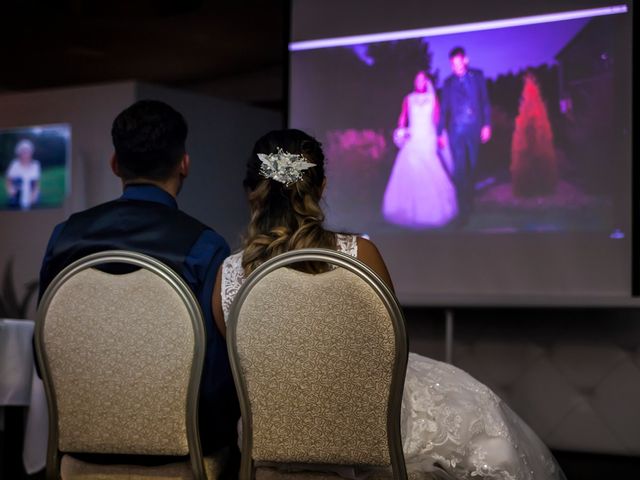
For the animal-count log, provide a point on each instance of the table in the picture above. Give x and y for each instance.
(21, 386)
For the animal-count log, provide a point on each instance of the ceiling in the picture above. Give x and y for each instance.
(226, 48)
(203, 45)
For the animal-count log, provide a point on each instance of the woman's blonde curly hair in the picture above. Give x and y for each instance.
(285, 218)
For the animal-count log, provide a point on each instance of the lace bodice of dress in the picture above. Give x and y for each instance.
(233, 274)
(421, 114)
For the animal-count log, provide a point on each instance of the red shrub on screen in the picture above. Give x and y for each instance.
(534, 168)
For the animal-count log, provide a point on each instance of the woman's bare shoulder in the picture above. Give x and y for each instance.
(369, 254)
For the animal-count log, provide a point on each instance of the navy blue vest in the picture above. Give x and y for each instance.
(168, 235)
(151, 228)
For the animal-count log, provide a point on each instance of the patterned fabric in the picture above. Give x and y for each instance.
(120, 359)
(319, 382)
(73, 469)
(451, 420)
(233, 273)
(347, 244)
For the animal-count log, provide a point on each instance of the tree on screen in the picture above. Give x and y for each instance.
(534, 169)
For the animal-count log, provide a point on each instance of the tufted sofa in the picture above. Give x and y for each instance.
(572, 374)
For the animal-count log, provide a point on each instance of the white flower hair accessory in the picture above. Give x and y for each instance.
(283, 167)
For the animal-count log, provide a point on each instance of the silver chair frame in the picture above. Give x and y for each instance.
(389, 300)
(197, 322)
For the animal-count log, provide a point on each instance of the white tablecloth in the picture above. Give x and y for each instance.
(16, 361)
(19, 385)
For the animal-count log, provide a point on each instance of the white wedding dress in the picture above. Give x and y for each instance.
(450, 421)
(420, 193)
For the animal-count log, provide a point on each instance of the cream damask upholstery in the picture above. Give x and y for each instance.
(319, 363)
(121, 357)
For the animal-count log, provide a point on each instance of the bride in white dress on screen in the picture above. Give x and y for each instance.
(419, 193)
(450, 421)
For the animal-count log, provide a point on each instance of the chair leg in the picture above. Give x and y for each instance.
(52, 470)
(246, 467)
(197, 467)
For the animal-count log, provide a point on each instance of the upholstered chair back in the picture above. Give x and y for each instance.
(319, 362)
(121, 356)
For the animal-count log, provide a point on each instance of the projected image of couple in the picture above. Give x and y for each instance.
(431, 183)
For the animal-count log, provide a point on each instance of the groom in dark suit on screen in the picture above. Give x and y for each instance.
(465, 114)
(150, 158)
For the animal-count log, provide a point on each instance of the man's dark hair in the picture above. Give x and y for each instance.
(455, 51)
(149, 139)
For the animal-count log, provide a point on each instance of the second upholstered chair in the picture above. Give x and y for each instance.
(319, 363)
(121, 357)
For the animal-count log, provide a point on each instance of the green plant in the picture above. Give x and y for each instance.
(10, 305)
